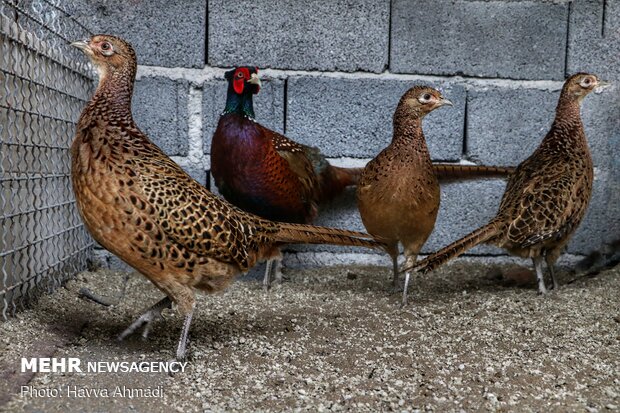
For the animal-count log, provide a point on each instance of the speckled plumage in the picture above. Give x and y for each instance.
(398, 192)
(140, 205)
(547, 195)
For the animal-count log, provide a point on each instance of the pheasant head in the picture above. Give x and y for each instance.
(110, 55)
(115, 61)
(243, 82)
(422, 100)
(579, 85)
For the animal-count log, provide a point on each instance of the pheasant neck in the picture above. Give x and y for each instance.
(567, 130)
(568, 109)
(114, 93)
(240, 104)
(408, 131)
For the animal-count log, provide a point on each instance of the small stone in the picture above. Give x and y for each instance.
(491, 397)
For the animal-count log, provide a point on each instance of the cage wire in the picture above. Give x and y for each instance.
(44, 85)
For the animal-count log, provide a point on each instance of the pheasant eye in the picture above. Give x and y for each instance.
(425, 98)
(105, 46)
(239, 75)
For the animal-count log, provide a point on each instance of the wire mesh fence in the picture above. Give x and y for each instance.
(43, 88)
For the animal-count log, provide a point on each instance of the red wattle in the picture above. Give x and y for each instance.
(238, 85)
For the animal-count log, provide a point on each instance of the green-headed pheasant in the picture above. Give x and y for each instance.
(140, 205)
(264, 172)
(547, 195)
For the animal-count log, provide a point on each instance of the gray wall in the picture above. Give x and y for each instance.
(336, 70)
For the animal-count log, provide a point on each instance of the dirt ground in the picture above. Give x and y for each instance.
(336, 339)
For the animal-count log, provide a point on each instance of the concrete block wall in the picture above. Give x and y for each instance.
(333, 73)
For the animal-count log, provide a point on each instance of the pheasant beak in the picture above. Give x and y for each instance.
(83, 46)
(255, 80)
(445, 102)
(601, 85)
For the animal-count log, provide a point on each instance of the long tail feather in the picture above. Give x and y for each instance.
(457, 248)
(347, 176)
(333, 180)
(311, 234)
(448, 171)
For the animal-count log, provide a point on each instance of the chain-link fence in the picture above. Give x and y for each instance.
(44, 85)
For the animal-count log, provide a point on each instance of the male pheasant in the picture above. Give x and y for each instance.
(140, 205)
(547, 195)
(398, 191)
(266, 173)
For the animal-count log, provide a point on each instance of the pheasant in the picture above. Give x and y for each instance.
(547, 195)
(398, 191)
(139, 204)
(266, 173)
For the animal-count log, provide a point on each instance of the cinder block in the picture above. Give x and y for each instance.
(466, 206)
(160, 110)
(508, 39)
(504, 126)
(315, 34)
(353, 117)
(268, 106)
(594, 43)
(163, 33)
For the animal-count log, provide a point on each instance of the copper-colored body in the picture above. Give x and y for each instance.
(398, 192)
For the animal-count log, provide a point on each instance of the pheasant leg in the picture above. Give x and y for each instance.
(552, 272)
(396, 284)
(538, 263)
(182, 347)
(407, 276)
(267, 277)
(273, 272)
(277, 270)
(150, 315)
(409, 263)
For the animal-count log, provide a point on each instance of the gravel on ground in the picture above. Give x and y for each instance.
(333, 339)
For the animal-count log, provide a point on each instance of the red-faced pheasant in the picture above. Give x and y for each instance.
(547, 195)
(140, 205)
(398, 191)
(264, 172)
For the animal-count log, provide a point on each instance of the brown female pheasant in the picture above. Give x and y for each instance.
(143, 207)
(547, 195)
(398, 191)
